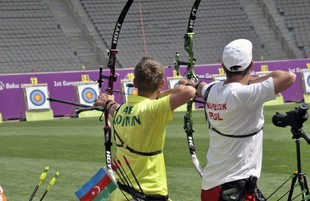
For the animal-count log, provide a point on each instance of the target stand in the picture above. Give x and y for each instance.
(0, 118)
(307, 98)
(87, 93)
(37, 106)
(305, 76)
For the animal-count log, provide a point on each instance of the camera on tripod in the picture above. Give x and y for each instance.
(294, 118)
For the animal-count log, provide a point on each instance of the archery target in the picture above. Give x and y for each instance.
(132, 91)
(128, 89)
(36, 97)
(172, 82)
(306, 79)
(87, 93)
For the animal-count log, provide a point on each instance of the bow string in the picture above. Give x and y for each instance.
(111, 79)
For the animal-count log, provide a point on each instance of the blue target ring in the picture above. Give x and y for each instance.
(132, 91)
(89, 95)
(308, 80)
(37, 97)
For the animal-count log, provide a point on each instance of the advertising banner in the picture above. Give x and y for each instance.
(62, 85)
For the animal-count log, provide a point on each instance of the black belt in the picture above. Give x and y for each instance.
(139, 152)
(235, 136)
(153, 153)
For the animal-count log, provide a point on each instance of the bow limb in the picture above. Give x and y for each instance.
(189, 42)
(111, 79)
(190, 75)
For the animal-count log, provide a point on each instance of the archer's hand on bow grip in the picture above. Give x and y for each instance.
(103, 99)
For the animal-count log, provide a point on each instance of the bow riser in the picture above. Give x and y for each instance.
(190, 75)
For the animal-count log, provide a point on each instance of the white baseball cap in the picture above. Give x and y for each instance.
(237, 55)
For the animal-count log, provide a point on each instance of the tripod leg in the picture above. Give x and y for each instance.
(304, 186)
(289, 198)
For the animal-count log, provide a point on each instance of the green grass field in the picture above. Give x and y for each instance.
(74, 147)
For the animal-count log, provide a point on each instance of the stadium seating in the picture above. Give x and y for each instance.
(165, 24)
(31, 40)
(296, 15)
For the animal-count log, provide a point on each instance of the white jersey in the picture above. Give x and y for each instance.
(235, 109)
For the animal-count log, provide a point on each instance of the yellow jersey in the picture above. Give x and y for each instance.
(141, 125)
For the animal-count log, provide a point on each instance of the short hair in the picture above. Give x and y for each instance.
(231, 74)
(148, 73)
